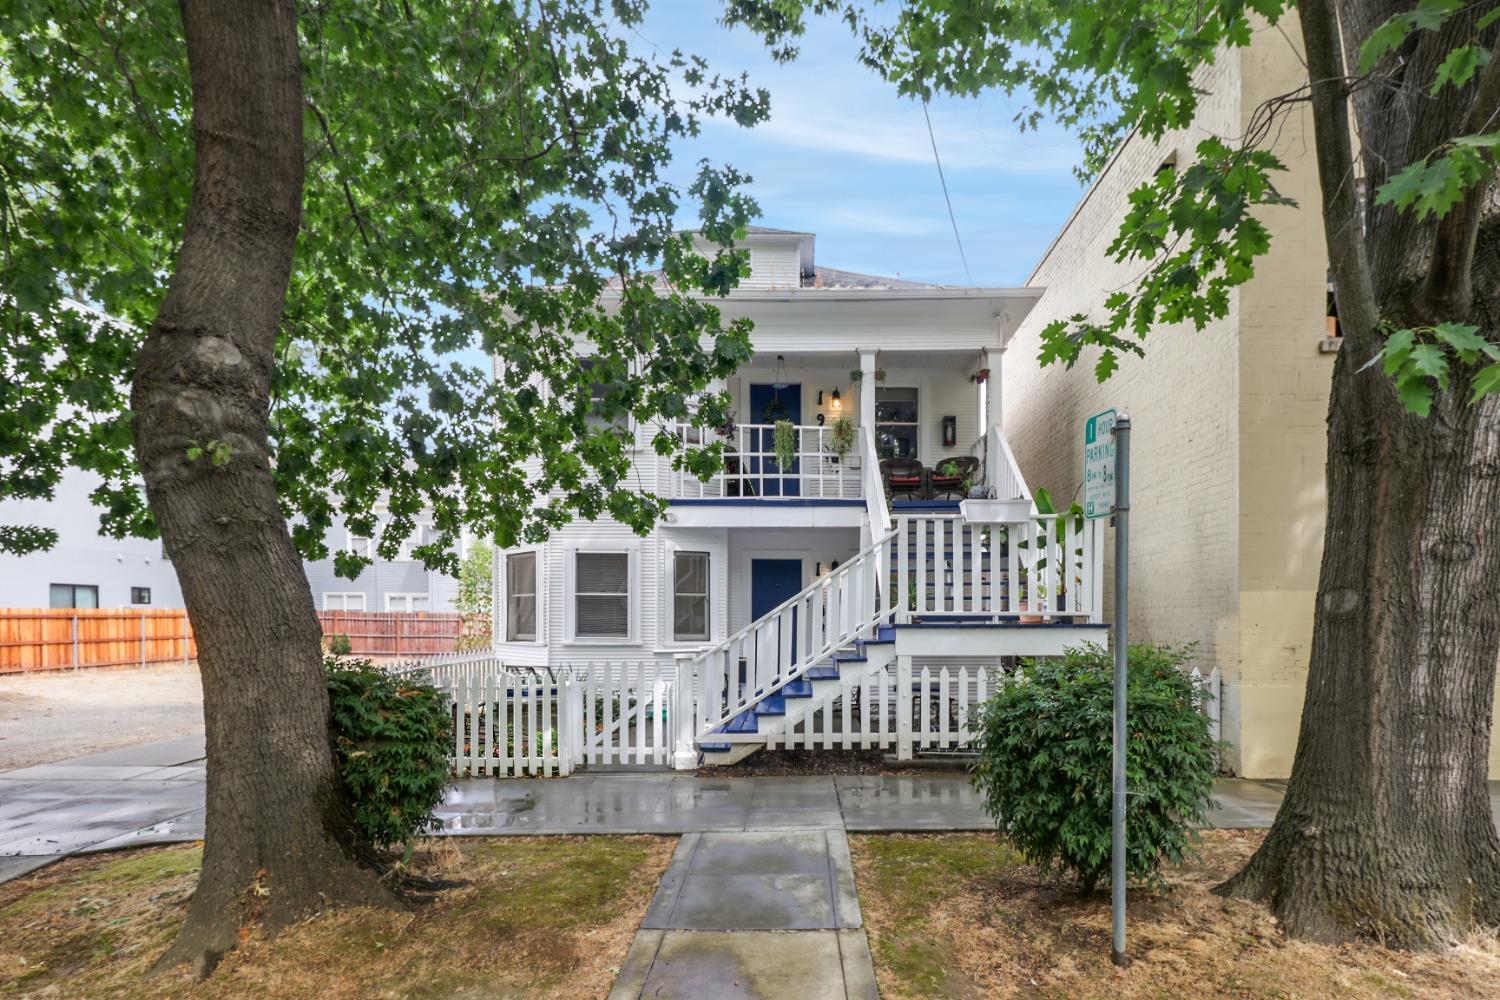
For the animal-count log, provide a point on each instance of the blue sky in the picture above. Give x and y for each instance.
(843, 156)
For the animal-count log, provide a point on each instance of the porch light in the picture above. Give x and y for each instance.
(836, 401)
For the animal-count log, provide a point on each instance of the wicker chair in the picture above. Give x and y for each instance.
(903, 477)
(950, 476)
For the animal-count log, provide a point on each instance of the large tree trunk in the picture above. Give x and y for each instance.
(279, 839)
(1386, 830)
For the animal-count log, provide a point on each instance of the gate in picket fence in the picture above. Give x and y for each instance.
(513, 721)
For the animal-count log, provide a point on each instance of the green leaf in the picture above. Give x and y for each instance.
(1460, 66)
(1384, 40)
(1416, 395)
(1487, 382)
(1464, 338)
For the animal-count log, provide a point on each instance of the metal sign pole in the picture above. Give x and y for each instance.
(1122, 593)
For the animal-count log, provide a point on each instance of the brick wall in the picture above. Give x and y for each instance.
(1181, 398)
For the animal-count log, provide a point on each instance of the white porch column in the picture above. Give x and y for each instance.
(994, 415)
(867, 389)
(866, 419)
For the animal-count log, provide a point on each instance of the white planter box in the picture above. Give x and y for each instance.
(994, 511)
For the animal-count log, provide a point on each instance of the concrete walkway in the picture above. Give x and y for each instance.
(763, 915)
(153, 794)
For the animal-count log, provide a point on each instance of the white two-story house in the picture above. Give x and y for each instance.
(905, 534)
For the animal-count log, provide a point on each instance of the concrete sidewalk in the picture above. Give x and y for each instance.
(762, 915)
(153, 794)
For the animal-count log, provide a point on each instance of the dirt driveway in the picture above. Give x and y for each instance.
(58, 714)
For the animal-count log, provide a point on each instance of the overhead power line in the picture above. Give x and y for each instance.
(932, 137)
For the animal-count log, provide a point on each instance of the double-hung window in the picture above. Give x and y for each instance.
(601, 595)
(343, 601)
(690, 597)
(597, 392)
(896, 422)
(520, 597)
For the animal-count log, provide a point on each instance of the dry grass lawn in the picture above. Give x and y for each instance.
(539, 917)
(960, 916)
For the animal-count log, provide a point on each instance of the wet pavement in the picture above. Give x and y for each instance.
(153, 794)
(766, 914)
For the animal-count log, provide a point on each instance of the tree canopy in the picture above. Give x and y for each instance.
(482, 179)
(1106, 70)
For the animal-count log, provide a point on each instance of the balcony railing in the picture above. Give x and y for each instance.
(752, 469)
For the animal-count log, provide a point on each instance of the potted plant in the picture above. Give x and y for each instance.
(841, 440)
(856, 374)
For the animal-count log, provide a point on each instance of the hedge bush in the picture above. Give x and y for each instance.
(392, 736)
(1045, 755)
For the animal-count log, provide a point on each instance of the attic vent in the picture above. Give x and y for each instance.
(1169, 163)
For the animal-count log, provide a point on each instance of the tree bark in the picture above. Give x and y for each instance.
(280, 842)
(1386, 830)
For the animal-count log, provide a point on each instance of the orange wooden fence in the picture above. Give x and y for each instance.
(62, 638)
(395, 633)
(67, 638)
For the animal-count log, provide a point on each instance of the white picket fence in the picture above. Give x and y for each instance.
(514, 721)
(904, 708)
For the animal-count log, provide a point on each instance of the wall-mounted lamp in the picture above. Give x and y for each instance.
(836, 401)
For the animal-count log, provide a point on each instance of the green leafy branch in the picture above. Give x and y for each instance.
(1418, 359)
(1199, 233)
(1440, 180)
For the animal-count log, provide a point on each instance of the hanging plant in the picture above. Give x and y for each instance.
(855, 374)
(842, 438)
(981, 376)
(785, 444)
(880, 374)
(775, 411)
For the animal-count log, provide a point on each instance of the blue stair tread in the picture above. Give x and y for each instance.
(774, 705)
(715, 747)
(822, 674)
(742, 723)
(799, 688)
(850, 658)
(875, 642)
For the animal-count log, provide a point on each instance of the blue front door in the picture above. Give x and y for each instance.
(772, 583)
(768, 404)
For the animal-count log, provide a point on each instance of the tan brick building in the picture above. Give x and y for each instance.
(1229, 423)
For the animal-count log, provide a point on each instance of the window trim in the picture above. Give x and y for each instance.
(407, 595)
(349, 546)
(364, 599)
(707, 595)
(632, 596)
(421, 534)
(136, 591)
(502, 604)
(917, 424)
(73, 596)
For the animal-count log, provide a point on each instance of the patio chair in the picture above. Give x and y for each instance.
(950, 475)
(904, 477)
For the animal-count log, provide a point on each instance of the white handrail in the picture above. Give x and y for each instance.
(875, 503)
(1009, 478)
(800, 633)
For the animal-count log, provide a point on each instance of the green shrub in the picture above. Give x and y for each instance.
(338, 645)
(1045, 754)
(392, 736)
